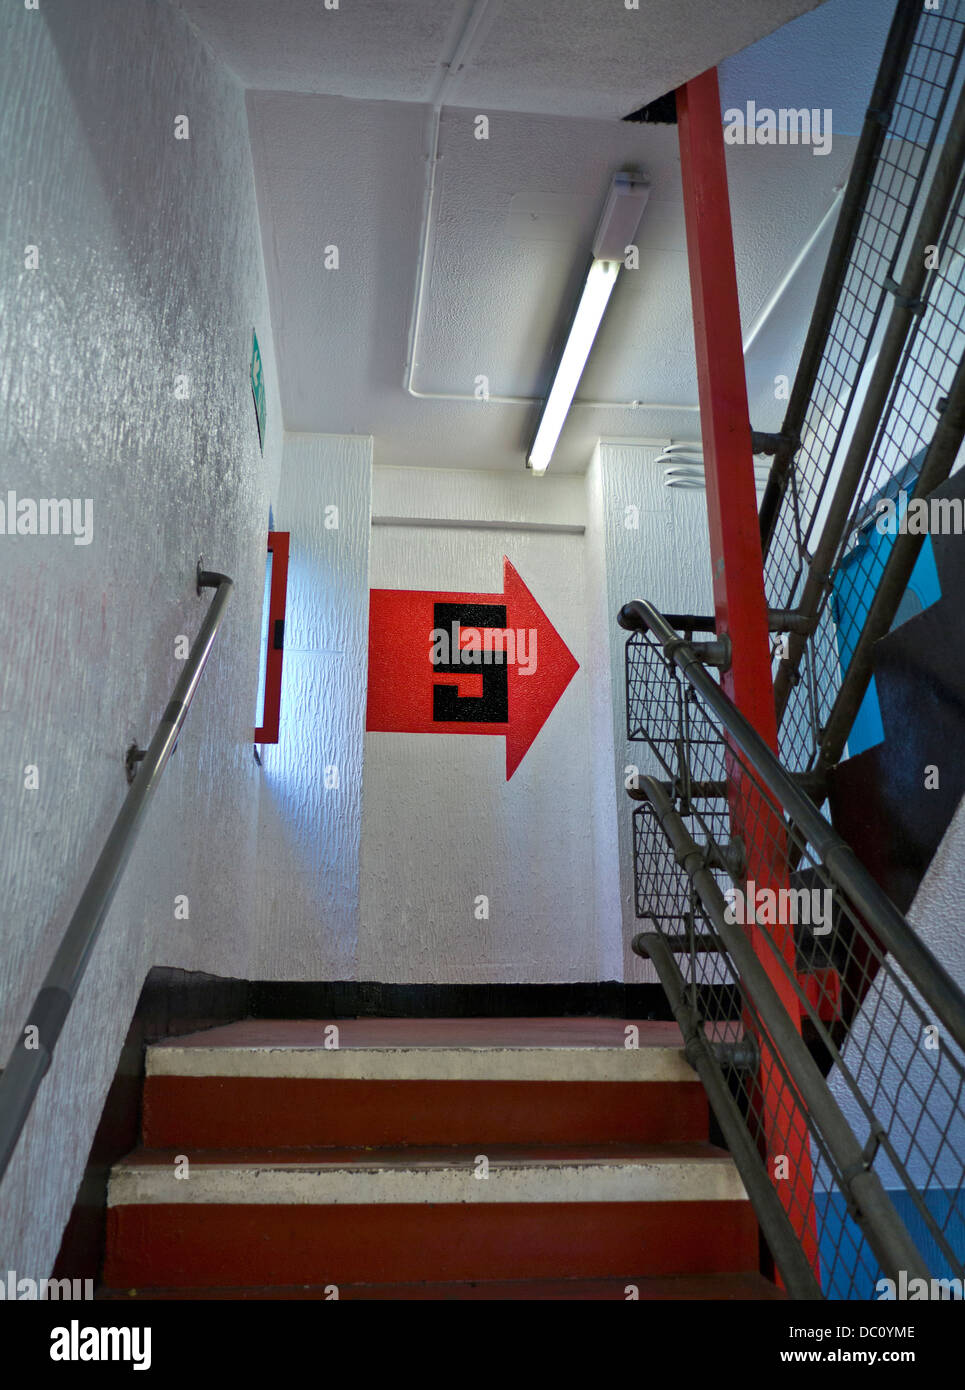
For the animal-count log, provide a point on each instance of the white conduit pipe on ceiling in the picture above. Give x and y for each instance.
(453, 68)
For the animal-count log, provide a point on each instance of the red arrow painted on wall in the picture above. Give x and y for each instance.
(417, 686)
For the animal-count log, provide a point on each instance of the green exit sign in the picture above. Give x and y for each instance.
(258, 389)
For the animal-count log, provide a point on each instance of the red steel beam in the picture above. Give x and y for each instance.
(738, 580)
(735, 542)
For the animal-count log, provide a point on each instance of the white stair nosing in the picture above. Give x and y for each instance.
(425, 1063)
(366, 1183)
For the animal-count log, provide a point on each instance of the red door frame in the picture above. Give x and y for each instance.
(738, 581)
(277, 603)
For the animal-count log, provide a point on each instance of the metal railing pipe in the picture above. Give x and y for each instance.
(782, 1240)
(874, 1210)
(33, 1051)
(866, 896)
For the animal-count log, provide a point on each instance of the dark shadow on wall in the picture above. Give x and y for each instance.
(171, 1002)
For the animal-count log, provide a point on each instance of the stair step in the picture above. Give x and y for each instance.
(387, 1216)
(209, 1245)
(349, 1154)
(428, 1082)
(201, 1112)
(703, 1287)
(576, 1173)
(468, 1049)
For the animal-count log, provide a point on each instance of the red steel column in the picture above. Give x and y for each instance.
(735, 543)
(739, 601)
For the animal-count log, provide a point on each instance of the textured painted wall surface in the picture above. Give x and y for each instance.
(606, 722)
(310, 803)
(149, 268)
(441, 825)
(664, 558)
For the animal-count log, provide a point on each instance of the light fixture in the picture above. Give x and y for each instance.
(618, 225)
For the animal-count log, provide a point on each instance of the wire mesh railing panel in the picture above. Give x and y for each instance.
(791, 1146)
(932, 355)
(895, 1073)
(892, 198)
(653, 694)
(812, 695)
(662, 890)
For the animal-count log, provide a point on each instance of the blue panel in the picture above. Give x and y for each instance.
(855, 583)
(849, 1270)
(867, 729)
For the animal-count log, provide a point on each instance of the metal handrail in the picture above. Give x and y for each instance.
(784, 1244)
(799, 1004)
(873, 1208)
(33, 1052)
(868, 899)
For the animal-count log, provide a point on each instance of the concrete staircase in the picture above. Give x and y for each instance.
(446, 1159)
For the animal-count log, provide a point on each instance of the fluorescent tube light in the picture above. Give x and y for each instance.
(596, 296)
(621, 216)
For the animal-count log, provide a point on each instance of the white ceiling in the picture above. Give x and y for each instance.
(555, 57)
(514, 215)
(497, 295)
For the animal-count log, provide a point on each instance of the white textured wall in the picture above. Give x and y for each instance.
(441, 824)
(606, 724)
(552, 847)
(309, 828)
(150, 267)
(513, 218)
(665, 559)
